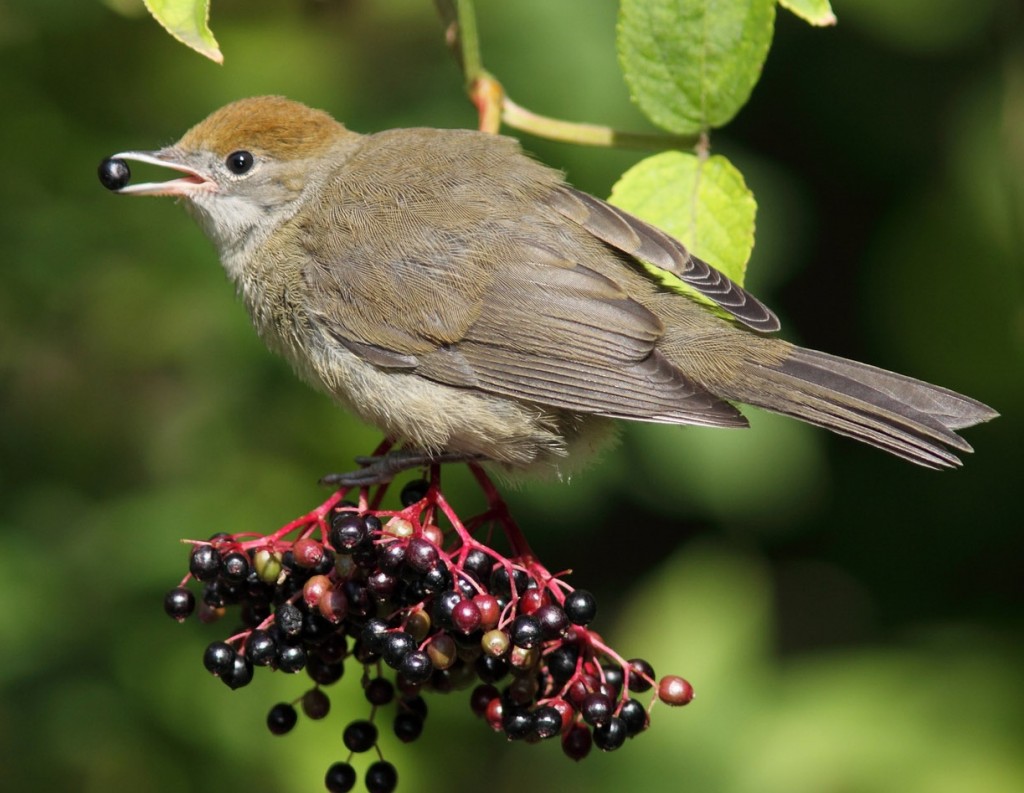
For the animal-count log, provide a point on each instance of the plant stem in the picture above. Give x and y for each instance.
(520, 118)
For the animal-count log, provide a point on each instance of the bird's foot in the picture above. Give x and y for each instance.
(381, 469)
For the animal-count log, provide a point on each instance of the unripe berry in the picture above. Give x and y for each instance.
(490, 611)
(432, 533)
(495, 643)
(673, 690)
(314, 589)
(466, 616)
(576, 742)
(308, 553)
(442, 651)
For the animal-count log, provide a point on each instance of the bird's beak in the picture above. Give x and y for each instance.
(194, 181)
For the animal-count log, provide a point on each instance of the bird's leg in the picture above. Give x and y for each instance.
(379, 469)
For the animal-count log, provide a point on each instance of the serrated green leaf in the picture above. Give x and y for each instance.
(817, 12)
(187, 21)
(690, 64)
(702, 202)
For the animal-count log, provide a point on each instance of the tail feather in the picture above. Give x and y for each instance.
(903, 416)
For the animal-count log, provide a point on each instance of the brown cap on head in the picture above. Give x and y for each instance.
(287, 129)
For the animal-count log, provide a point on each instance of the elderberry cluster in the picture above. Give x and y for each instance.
(444, 611)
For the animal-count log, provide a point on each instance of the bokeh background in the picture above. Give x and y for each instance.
(851, 623)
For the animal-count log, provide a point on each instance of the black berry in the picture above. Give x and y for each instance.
(413, 491)
(379, 691)
(179, 603)
(340, 778)
(416, 667)
(547, 721)
(316, 704)
(240, 674)
(397, 645)
(408, 726)
(289, 619)
(420, 554)
(114, 173)
(596, 709)
(611, 735)
(219, 658)
(291, 658)
(360, 736)
(204, 562)
(235, 567)
(634, 716)
(526, 631)
(348, 532)
(381, 777)
(641, 675)
(553, 621)
(580, 607)
(282, 718)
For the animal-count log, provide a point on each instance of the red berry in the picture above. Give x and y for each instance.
(433, 533)
(466, 616)
(308, 552)
(481, 697)
(576, 742)
(531, 600)
(333, 605)
(673, 690)
(314, 589)
(493, 714)
(490, 610)
(565, 710)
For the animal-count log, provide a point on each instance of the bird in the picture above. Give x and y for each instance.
(446, 287)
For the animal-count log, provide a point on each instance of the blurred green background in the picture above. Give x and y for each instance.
(850, 622)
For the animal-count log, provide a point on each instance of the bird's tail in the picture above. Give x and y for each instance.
(903, 416)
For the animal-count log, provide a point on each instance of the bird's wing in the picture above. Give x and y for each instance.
(567, 337)
(643, 241)
(540, 329)
(423, 270)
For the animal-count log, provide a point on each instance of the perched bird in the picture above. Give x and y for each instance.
(460, 296)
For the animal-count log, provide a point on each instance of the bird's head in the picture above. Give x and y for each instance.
(244, 168)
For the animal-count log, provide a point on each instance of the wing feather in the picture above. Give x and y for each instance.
(643, 241)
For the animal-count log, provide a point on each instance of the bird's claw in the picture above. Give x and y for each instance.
(381, 469)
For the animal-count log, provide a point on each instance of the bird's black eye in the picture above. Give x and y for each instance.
(239, 162)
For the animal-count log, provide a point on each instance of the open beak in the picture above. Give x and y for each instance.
(192, 182)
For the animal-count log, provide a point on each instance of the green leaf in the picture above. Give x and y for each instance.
(187, 21)
(701, 201)
(691, 64)
(817, 12)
